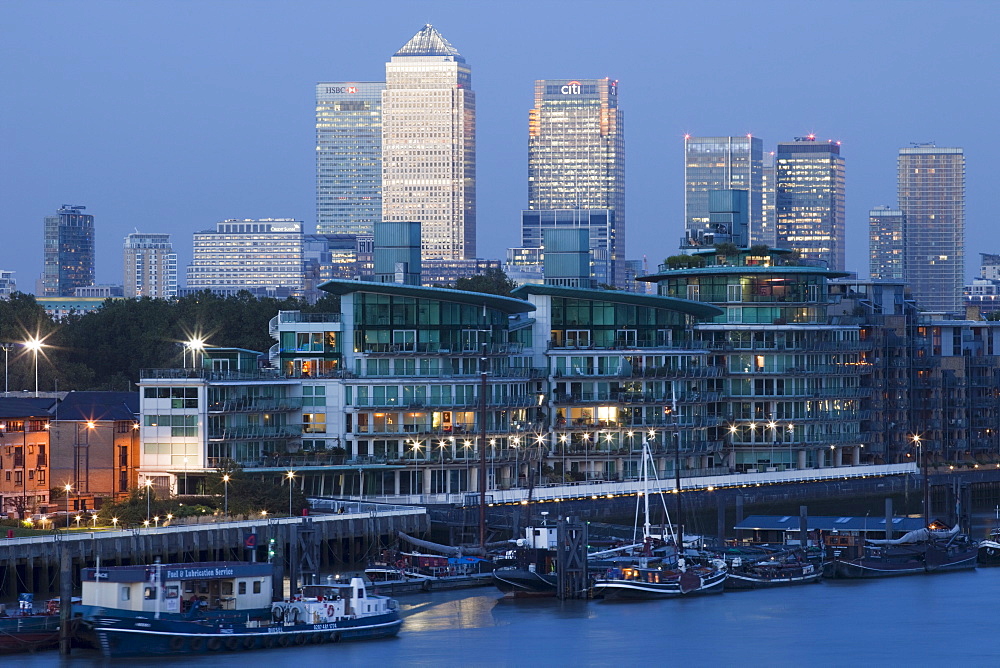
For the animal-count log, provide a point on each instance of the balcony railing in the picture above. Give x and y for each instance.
(439, 349)
(208, 374)
(256, 405)
(242, 433)
(299, 316)
(635, 397)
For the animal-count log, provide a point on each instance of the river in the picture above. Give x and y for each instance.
(941, 619)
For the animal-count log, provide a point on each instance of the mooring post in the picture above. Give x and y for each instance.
(65, 599)
(888, 518)
(739, 508)
(804, 527)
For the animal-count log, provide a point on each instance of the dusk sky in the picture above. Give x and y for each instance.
(171, 116)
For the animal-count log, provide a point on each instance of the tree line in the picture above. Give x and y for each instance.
(106, 349)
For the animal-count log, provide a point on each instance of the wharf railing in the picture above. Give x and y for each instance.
(608, 489)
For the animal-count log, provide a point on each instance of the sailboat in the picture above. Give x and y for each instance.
(660, 578)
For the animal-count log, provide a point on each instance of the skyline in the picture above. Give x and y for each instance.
(173, 135)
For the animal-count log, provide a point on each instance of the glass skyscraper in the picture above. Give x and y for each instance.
(809, 200)
(348, 157)
(932, 197)
(68, 252)
(429, 145)
(721, 163)
(886, 243)
(601, 227)
(576, 160)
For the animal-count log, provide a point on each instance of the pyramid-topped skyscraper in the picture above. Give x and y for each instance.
(429, 145)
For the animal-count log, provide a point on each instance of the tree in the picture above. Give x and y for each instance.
(492, 282)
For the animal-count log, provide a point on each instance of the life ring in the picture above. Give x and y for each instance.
(176, 643)
(196, 644)
(330, 610)
(248, 642)
(214, 644)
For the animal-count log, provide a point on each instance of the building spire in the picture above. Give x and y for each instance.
(429, 42)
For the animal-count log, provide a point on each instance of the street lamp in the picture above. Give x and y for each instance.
(416, 466)
(149, 488)
(517, 468)
(114, 522)
(77, 519)
(290, 476)
(34, 345)
(68, 488)
(7, 347)
(441, 446)
(194, 344)
(225, 508)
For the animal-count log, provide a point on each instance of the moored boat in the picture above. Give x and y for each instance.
(781, 569)
(989, 550)
(322, 614)
(27, 630)
(413, 572)
(662, 581)
(919, 551)
(529, 570)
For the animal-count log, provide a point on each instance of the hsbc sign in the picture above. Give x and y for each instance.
(342, 89)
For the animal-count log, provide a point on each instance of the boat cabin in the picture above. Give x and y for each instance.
(539, 538)
(785, 529)
(207, 585)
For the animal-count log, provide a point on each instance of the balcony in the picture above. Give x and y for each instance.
(208, 374)
(395, 349)
(256, 405)
(251, 432)
(292, 317)
(657, 372)
(634, 398)
(521, 401)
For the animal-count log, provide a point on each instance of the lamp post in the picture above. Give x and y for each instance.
(416, 466)
(193, 344)
(7, 347)
(441, 446)
(922, 464)
(149, 488)
(291, 477)
(68, 488)
(225, 507)
(34, 345)
(515, 442)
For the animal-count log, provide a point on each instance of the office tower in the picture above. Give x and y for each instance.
(729, 217)
(576, 154)
(764, 233)
(263, 256)
(68, 251)
(7, 284)
(932, 197)
(721, 163)
(150, 266)
(429, 145)
(348, 157)
(601, 227)
(886, 241)
(809, 200)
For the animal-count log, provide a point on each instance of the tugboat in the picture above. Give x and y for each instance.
(530, 568)
(927, 550)
(322, 614)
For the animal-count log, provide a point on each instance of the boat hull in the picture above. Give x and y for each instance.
(742, 581)
(119, 637)
(521, 583)
(865, 567)
(637, 590)
(989, 553)
(443, 583)
(28, 633)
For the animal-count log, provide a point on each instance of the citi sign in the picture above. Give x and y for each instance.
(342, 89)
(572, 88)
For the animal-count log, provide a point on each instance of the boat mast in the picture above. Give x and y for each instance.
(645, 490)
(483, 367)
(677, 462)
